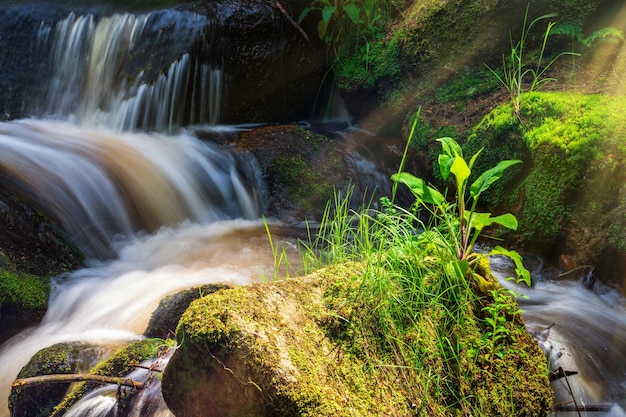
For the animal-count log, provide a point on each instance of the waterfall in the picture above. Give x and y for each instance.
(105, 73)
(101, 186)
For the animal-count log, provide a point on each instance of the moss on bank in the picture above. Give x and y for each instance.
(22, 296)
(303, 347)
(571, 188)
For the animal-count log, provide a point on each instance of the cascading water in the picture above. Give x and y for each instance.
(581, 330)
(104, 72)
(159, 213)
(153, 213)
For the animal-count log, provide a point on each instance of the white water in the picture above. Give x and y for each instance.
(97, 79)
(112, 301)
(580, 330)
(101, 186)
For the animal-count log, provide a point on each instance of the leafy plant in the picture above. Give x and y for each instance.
(342, 19)
(463, 223)
(514, 70)
(497, 320)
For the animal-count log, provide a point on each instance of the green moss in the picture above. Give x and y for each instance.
(23, 294)
(117, 365)
(470, 85)
(34, 401)
(313, 346)
(371, 64)
(570, 144)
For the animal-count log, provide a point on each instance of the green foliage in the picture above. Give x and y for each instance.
(371, 62)
(420, 293)
(343, 21)
(475, 83)
(575, 33)
(354, 31)
(514, 70)
(25, 294)
(462, 221)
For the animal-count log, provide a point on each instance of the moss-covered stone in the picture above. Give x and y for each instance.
(165, 318)
(117, 365)
(569, 194)
(62, 358)
(299, 348)
(300, 168)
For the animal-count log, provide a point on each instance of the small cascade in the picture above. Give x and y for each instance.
(114, 401)
(130, 72)
(101, 186)
(582, 331)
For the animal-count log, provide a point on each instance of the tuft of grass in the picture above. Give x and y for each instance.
(452, 332)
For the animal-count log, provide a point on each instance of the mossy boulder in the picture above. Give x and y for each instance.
(165, 318)
(62, 358)
(569, 195)
(294, 348)
(301, 168)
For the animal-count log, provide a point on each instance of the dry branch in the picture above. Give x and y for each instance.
(66, 378)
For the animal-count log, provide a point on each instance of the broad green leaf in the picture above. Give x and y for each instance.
(520, 270)
(450, 147)
(368, 7)
(490, 176)
(471, 163)
(461, 268)
(327, 13)
(352, 11)
(445, 163)
(482, 220)
(461, 171)
(419, 188)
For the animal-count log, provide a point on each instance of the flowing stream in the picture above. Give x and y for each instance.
(161, 212)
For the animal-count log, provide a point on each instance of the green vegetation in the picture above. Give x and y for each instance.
(515, 72)
(24, 294)
(354, 30)
(430, 300)
(570, 144)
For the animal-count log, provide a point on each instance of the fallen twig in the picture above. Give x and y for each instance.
(65, 378)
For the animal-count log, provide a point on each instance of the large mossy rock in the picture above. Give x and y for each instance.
(295, 348)
(301, 168)
(569, 195)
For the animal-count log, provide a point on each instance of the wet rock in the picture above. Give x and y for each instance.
(62, 358)
(165, 318)
(30, 253)
(301, 169)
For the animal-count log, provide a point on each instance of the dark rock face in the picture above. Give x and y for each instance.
(30, 252)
